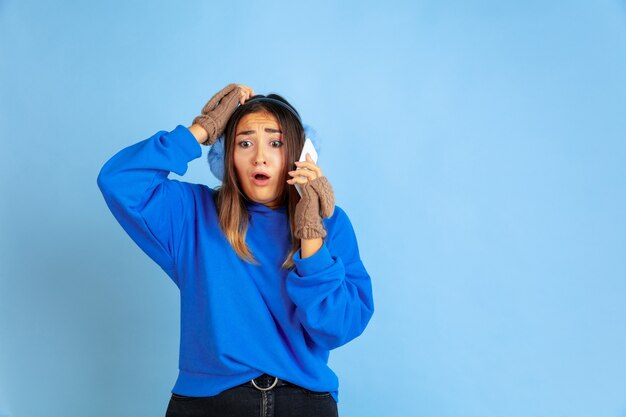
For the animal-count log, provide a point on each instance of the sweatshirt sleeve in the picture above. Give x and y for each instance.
(149, 206)
(331, 289)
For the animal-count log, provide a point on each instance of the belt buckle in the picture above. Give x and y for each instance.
(265, 389)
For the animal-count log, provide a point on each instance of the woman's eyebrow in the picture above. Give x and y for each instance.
(267, 129)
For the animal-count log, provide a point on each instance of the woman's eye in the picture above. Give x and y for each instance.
(277, 143)
(245, 143)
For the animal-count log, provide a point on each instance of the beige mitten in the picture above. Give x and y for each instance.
(318, 201)
(217, 111)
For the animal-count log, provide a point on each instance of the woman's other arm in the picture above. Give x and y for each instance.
(331, 289)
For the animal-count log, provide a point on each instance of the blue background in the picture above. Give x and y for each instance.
(478, 147)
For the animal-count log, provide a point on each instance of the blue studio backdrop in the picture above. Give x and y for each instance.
(479, 148)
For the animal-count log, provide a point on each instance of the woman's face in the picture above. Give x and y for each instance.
(259, 158)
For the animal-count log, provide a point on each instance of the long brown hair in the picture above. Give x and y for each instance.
(230, 198)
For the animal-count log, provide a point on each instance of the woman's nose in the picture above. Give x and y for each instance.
(259, 158)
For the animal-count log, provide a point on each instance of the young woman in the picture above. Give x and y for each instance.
(269, 281)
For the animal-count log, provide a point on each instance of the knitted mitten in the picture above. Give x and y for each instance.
(216, 112)
(317, 201)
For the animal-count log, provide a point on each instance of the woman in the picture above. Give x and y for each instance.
(269, 282)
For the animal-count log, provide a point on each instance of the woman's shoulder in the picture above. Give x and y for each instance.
(341, 238)
(339, 219)
(203, 189)
(195, 188)
(199, 193)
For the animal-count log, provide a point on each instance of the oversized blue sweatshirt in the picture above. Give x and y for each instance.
(238, 320)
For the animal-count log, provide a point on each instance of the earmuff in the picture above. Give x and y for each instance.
(215, 157)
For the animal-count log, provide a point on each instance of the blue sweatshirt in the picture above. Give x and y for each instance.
(238, 320)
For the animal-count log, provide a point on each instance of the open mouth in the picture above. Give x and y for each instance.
(260, 178)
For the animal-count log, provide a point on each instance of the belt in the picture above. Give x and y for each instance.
(267, 382)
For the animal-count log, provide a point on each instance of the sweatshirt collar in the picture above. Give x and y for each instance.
(262, 208)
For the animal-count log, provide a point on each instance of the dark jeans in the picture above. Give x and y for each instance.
(283, 400)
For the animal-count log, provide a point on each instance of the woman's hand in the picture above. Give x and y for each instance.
(305, 171)
(217, 111)
(245, 93)
(317, 200)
